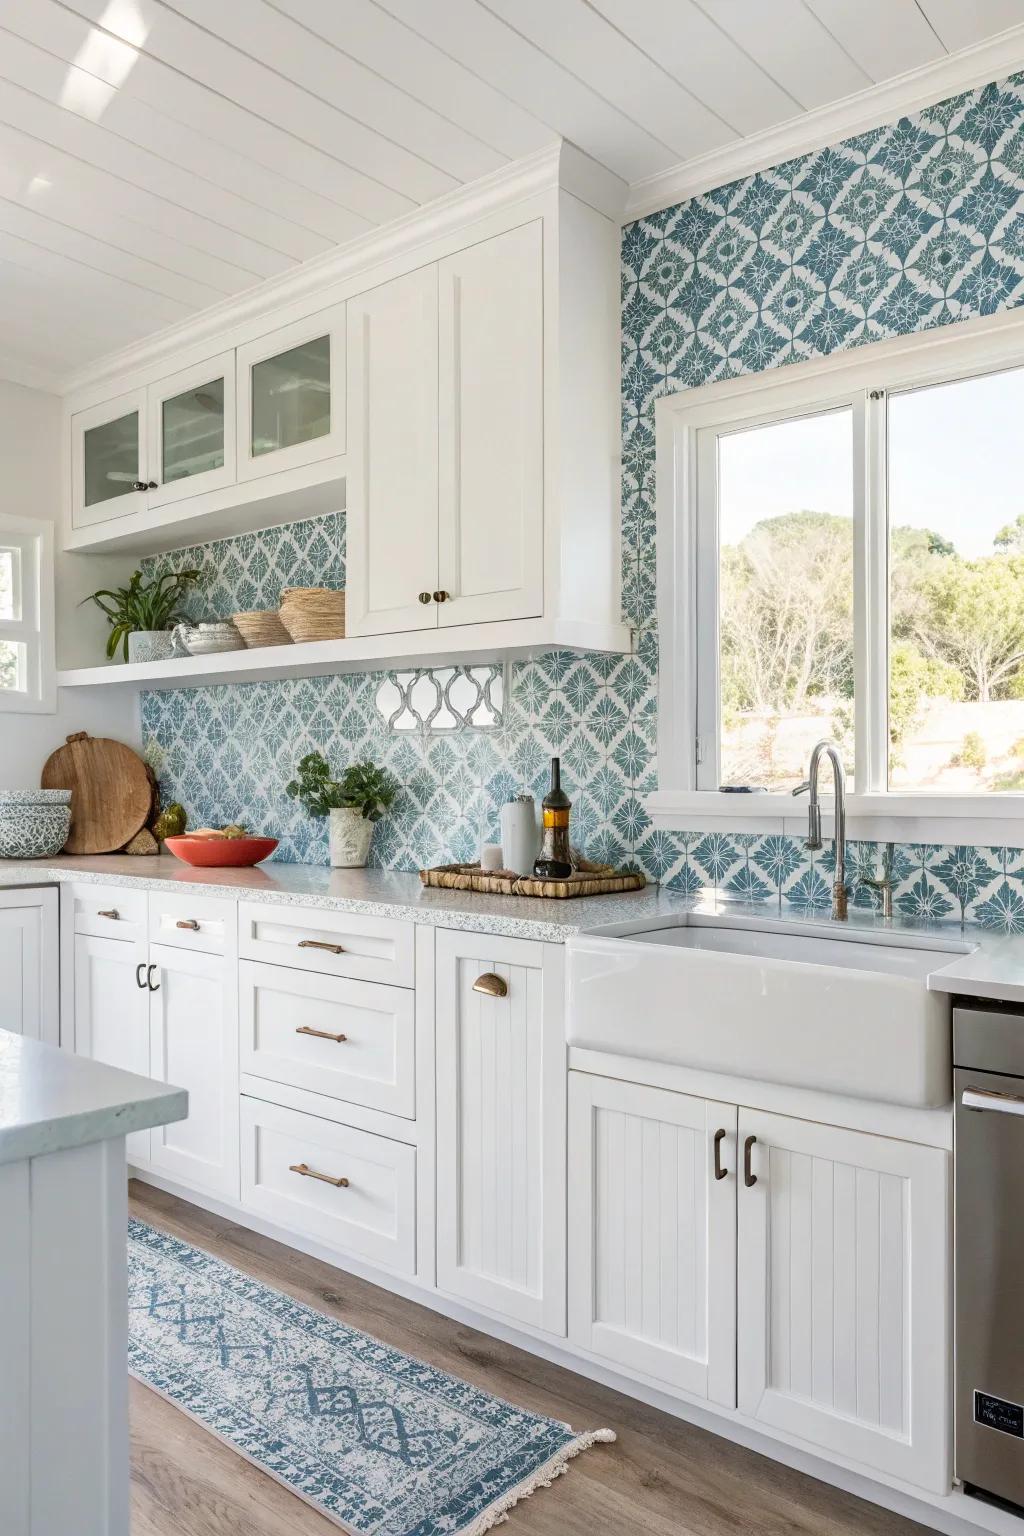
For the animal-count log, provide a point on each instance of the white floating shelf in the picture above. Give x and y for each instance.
(368, 653)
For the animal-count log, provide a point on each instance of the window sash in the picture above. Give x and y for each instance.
(687, 428)
(32, 543)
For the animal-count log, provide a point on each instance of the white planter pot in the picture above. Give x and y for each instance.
(350, 834)
(150, 645)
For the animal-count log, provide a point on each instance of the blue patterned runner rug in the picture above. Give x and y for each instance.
(380, 1443)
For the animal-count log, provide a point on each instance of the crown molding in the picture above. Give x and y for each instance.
(964, 70)
(559, 164)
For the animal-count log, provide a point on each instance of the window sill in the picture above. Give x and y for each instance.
(986, 820)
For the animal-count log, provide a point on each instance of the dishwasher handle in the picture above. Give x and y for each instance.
(989, 1099)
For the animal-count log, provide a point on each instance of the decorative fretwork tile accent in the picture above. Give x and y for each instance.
(908, 226)
(442, 698)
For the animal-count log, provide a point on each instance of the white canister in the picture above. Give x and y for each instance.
(349, 837)
(520, 835)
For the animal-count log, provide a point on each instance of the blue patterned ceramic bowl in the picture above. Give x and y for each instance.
(33, 831)
(34, 797)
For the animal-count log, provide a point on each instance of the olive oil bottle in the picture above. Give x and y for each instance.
(555, 862)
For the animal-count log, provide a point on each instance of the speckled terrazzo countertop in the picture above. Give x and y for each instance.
(988, 965)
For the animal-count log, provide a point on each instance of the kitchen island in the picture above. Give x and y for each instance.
(63, 1285)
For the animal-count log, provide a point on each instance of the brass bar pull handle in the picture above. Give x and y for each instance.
(332, 949)
(311, 1173)
(188, 922)
(113, 914)
(720, 1172)
(749, 1178)
(320, 1034)
(491, 985)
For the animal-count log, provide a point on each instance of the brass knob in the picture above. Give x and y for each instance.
(424, 597)
(491, 985)
(441, 597)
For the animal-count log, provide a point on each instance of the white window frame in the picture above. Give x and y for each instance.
(862, 380)
(34, 629)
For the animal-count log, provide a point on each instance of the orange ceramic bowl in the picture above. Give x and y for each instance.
(221, 852)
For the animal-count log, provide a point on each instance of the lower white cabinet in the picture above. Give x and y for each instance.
(193, 1043)
(28, 964)
(500, 1064)
(843, 1315)
(112, 1011)
(348, 1188)
(652, 1233)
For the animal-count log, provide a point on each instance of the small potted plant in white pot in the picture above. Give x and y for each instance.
(142, 614)
(354, 803)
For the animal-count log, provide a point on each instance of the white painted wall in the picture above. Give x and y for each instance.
(30, 486)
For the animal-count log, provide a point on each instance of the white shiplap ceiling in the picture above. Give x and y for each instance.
(157, 156)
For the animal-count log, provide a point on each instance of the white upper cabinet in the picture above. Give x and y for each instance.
(391, 522)
(291, 396)
(192, 431)
(109, 464)
(491, 429)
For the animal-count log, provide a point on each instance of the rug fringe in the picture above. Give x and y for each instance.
(498, 1512)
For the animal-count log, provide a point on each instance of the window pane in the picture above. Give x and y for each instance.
(12, 666)
(956, 586)
(291, 397)
(192, 425)
(9, 607)
(785, 531)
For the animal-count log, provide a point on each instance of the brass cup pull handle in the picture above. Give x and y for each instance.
(491, 985)
(720, 1172)
(749, 1179)
(113, 914)
(332, 949)
(320, 1034)
(187, 922)
(311, 1173)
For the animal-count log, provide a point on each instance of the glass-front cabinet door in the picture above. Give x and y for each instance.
(108, 460)
(192, 430)
(291, 395)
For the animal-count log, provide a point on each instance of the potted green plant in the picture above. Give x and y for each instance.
(142, 614)
(353, 803)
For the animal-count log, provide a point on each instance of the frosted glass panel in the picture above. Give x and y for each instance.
(192, 431)
(111, 458)
(291, 397)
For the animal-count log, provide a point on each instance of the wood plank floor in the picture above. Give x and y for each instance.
(661, 1478)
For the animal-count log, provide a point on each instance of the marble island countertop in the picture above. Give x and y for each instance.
(51, 1100)
(982, 964)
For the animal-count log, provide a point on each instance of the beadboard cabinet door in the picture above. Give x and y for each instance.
(843, 1308)
(391, 492)
(500, 1053)
(28, 964)
(652, 1233)
(112, 1011)
(193, 1043)
(491, 429)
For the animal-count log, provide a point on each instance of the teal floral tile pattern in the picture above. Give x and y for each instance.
(908, 226)
(250, 571)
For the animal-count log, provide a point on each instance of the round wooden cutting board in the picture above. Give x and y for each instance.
(111, 793)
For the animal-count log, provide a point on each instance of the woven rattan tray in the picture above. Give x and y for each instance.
(588, 880)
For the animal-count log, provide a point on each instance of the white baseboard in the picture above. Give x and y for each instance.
(954, 1515)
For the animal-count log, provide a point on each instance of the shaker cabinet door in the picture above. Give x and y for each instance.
(291, 396)
(192, 431)
(652, 1233)
(491, 430)
(391, 516)
(112, 1011)
(109, 464)
(500, 1044)
(843, 1315)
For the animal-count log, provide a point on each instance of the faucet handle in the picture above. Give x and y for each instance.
(802, 788)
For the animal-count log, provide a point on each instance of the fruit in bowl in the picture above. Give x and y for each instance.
(220, 848)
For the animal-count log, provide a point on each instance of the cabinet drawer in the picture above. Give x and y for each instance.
(373, 1214)
(333, 943)
(190, 922)
(109, 911)
(354, 1040)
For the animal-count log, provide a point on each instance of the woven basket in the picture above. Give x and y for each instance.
(313, 613)
(261, 627)
(588, 880)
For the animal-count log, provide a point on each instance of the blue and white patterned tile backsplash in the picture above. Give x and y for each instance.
(902, 228)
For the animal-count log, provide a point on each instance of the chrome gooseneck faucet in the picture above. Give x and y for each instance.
(814, 819)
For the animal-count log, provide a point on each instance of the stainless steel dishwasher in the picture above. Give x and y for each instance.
(988, 1056)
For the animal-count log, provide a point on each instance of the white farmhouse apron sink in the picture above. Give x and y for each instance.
(841, 1011)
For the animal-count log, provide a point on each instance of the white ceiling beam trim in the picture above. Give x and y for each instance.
(990, 60)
